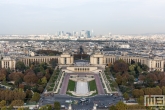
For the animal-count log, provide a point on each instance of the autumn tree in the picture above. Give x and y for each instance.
(163, 90)
(44, 80)
(40, 75)
(35, 97)
(126, 96)
(17, 103)
(10, 95)
(28, 94)
(150, 80)
(3, 74)
(162, 82)
(141, 78)
(120, 66)
(119, 79)
(30, 78)
(160, 76)
(137, 93)
(141, 100)
(113, 107)
(130, 79)
(157, 90)
(57, 105)
(136, 107)
(121, 106)
(2, 103)
(17, 77)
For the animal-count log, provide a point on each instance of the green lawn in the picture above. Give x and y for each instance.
(71, 85)
(92, 85)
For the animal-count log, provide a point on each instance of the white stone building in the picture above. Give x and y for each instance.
(98, 58)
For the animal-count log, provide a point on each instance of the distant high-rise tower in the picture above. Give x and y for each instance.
(88, 35)
(83, 32)
(110, 34)
(92, 33)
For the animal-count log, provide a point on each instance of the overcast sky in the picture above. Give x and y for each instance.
(103, 16)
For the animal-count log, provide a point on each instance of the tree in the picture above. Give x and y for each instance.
(136, 107)
(49, 107)
(20, 66)
(126, 96)
(162, 82)
(145, 67)
(2, 103)
(119, 79)
(40, 75)
(135, 93)
(150, 80)
(48, 52)
(141, 77)
(139, 70)
(131, 67)
(17, 103)
(161, 76)
(163, 90)
(28, 94)
(130, 79)
(141, 92)
(9, 95)
(3, 74)
(20, 108)
(53, 62)
(120, 66)
(15, 75)
(40, 89)
(4, 108)
(35, 97)
(112, 107)
(57, 106)
(124, 81)
(30, 78)
(141, 100)
(47, 75)
(121, 106)
(44, 80)
(114, 83)
(109, 65)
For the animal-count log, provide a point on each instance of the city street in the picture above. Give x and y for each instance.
(102, 101)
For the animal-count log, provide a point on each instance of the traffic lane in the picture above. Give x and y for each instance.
(102, 98)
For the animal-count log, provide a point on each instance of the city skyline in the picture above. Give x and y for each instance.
(117, 17)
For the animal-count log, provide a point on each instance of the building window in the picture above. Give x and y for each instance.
(64, 60)
(98, 61)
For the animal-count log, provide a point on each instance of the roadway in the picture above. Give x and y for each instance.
(103, 101)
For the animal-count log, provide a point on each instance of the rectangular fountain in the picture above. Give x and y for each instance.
(82, 87)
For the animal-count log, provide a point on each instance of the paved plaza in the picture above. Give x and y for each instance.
(64, 86)
(81, 87)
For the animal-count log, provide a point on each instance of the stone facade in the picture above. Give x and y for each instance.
(156, 63)
(66, 59)
(8, 62)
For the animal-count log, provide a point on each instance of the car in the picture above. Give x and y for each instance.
(68, 101)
